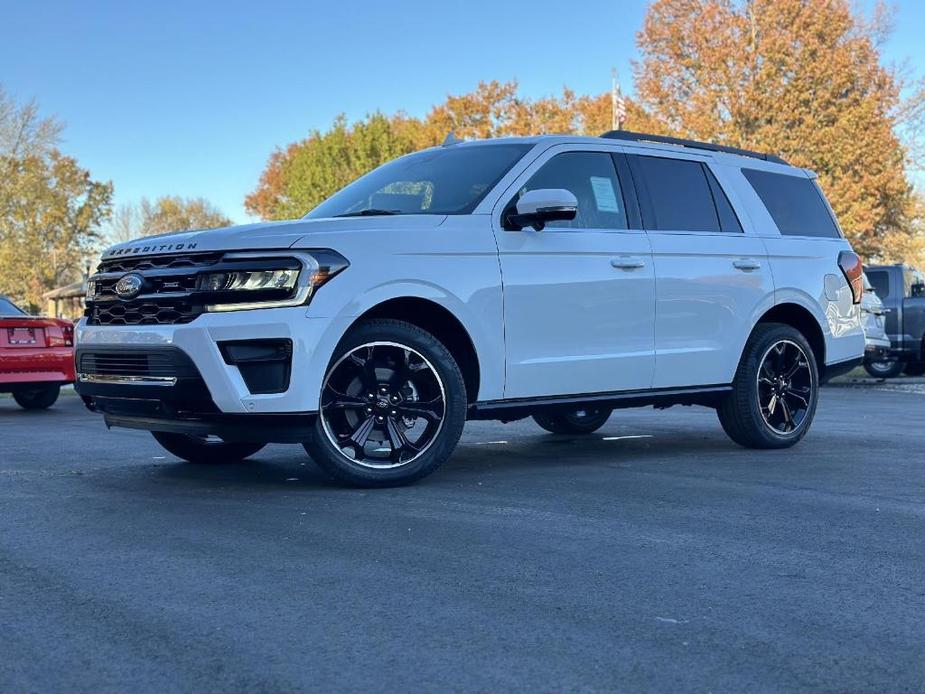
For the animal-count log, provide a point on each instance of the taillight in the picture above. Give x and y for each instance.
(59, 336)
(853, 269)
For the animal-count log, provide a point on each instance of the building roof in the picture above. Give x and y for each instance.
(69, 291)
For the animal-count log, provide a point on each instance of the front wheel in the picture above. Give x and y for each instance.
(775, 390)
(205, 449)
(883, 369)
(37, 399)
(585, 420)
(393, 406)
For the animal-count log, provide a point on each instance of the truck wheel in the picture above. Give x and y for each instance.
(38, 398)
(199, 449)
(915, 368)
(580, 421)
(883, 369)
(393, 406)
(775, 390)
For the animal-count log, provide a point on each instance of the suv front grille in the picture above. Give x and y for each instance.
(160, 363)
(169, 280)
(136, 381)
(139, 264)
(152, 312)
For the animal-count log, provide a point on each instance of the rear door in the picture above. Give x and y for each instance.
(579, 296)
(804, 242)
(712, 278)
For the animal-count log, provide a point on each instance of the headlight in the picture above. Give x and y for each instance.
(243, 281)
(249, 280)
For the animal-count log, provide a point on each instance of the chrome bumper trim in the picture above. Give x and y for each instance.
(128, 380)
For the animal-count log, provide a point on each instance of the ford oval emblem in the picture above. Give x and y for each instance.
(129, 286)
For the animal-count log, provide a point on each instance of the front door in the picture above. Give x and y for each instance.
(579, 296)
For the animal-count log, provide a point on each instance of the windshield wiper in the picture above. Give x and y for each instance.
(369, 212)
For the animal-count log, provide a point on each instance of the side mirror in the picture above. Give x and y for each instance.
(918, 289)
(538, 207)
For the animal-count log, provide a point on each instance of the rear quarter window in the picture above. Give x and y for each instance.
(795, 203)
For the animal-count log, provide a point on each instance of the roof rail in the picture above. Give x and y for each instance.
(709, 146)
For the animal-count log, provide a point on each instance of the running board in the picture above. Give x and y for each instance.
(661, 397)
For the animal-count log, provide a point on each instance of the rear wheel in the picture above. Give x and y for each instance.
(585, 420)
(37, 398)
(775, 391)
(205, 449)
(393, 406)
(915, 368)
(883, 369)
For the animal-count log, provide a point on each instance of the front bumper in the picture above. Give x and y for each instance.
(878, 349)
(313, 340)
(167, 393)
(20, 368)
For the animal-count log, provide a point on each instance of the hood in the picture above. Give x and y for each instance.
(269, 235)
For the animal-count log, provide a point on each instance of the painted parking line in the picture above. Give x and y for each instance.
(625, 438)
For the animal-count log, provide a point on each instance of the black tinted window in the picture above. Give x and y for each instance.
(8, 308)
(794, 203)
(880, 281)
(679, 196)
(728, 221)
(443, 180)
(590, 177)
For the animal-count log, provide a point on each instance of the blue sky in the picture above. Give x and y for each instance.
(191, 98)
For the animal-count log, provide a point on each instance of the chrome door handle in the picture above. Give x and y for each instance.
(627, 263)
(746, 264)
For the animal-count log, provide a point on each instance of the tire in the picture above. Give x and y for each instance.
(883, 369)
(393, 406)
(197, 450)
(38, 399)
(915, 368)
(579, 421)
(755, 414)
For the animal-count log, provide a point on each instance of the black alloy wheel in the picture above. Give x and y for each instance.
(785, 386)
(584, 420)
(775, 389)
(206, 450)
(392, 407)
(383, 405)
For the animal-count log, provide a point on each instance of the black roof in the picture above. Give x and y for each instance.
(694, 144)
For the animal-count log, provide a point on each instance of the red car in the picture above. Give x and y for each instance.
(36, 356)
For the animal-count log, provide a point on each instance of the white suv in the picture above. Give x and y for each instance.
(553, 277)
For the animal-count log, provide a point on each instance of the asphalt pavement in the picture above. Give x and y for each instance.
(652, 556)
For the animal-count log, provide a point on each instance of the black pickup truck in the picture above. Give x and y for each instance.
(902, 291)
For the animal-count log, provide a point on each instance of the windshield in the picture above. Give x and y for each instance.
(8, 308)
(446, 180)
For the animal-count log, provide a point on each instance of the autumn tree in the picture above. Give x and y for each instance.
(50, 208)
(165, 215)
(303, 174)
(800, 78)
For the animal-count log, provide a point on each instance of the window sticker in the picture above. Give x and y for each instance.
(604, 194)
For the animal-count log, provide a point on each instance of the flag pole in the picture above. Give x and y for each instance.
(617, 104)
(614, 124)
